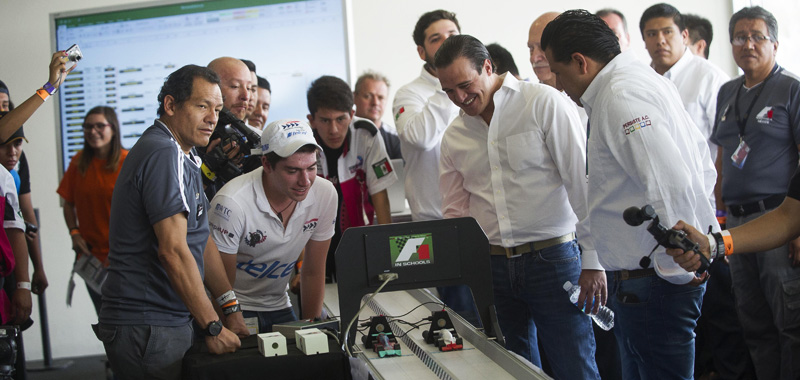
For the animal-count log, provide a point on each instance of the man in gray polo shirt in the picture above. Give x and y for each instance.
(159, 240)
(758, 131)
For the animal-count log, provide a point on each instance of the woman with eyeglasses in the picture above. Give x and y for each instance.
(88, 184)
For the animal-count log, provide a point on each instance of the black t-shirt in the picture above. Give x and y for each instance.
(794, 186)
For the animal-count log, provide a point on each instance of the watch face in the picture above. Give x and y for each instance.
(214, 328)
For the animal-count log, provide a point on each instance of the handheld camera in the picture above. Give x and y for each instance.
(665, 237)
(9, 348)
(230, 129)
(74, 53)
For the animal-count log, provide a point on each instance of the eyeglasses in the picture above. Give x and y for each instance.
(95, 126)
(756, 38)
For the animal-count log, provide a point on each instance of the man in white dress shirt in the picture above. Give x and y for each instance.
(607, 355)
(421, 113)
(698, 81)
(666, 39)
(513, 159)
(643, 149)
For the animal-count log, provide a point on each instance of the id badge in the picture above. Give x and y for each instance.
(740, 154)
(252, 325)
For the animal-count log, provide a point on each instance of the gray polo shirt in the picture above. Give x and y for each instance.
(772, 132)
(157, 181)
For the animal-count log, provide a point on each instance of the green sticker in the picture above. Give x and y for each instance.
(407, 250)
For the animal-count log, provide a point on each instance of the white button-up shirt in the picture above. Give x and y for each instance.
(422, 113)
(643, 149)
(698, 82)
(522, 177)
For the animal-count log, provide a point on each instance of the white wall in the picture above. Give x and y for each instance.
(382, 42)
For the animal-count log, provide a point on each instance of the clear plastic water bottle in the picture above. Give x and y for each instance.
(604, 317)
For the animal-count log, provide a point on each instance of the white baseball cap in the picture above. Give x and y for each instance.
(284, 137)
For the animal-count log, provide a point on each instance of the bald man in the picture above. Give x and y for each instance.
(235, 83)
(607, 353)
(616, 21)
(538, 60)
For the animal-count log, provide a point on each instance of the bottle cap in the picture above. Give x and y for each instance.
(567, 285)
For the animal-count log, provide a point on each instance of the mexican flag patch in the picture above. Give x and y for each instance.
(382, 168)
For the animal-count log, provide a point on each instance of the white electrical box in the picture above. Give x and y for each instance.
(311, 341)
(272, 344)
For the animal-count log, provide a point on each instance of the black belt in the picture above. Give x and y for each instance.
(765, 204)
(624, 274)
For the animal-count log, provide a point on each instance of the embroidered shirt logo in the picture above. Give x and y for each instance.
(765, 116)
(399, 112)
(255, 238)
(310, 225)
(636, 124)
(382, 168)
(220, 230)
(222, 211)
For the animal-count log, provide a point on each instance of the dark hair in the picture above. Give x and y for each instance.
(578, 31)
(662, 10)
(179, 84)
(611, 11)
(502, 59)
(371, 75)
(273, 158)
(115, 154)
(250, 65)
(462, 45)
(753, 13)
(329, 92)
(263, 83)
(699, 29)
(429, 18)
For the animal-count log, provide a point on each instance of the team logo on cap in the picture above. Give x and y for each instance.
(291, 124)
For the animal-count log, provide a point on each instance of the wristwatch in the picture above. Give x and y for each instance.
(213, 329)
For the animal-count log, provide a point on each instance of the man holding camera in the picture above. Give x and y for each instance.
(235, 84)
(160, 249)
(262, 220)
(643, 148)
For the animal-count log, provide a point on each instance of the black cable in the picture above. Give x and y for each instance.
(412, 328)
(415, 308)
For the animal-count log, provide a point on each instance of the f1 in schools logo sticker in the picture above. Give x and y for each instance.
(408, 250)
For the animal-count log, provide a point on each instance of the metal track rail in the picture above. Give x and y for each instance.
(426, 358)
(508, 361)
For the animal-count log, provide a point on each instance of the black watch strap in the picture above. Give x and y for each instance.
(720, 245)
(213, 329)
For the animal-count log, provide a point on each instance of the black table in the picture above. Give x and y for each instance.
(248, 363)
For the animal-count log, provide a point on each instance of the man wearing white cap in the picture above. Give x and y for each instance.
(262, 220)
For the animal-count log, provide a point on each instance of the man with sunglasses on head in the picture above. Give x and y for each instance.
(758, 130)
